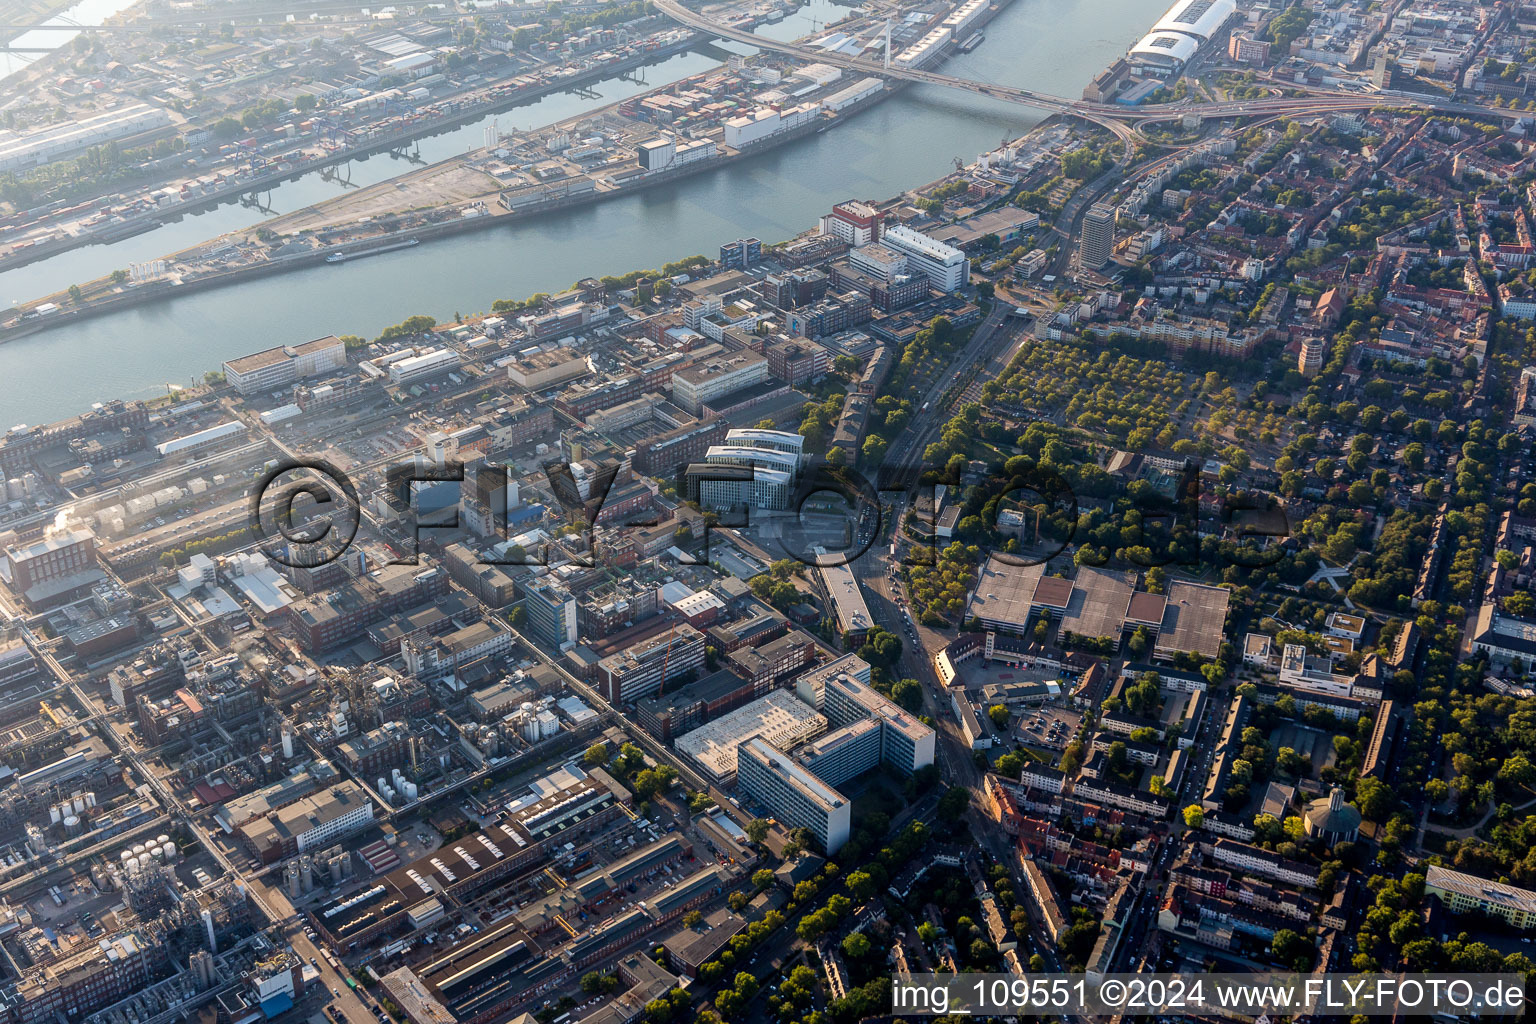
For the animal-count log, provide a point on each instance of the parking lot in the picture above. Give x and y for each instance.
(1046, 726)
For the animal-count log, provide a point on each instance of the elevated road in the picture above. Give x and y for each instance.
(1124, 121)
(1025, 97)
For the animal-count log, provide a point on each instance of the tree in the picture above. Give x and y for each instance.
(119, 275)
(999, 715)
(756, 830)
(76, 295)
(953, 804)
(862, 885)
(1194, 816)
(909, 694)
(692, 919)
(596, 755)
(856, 946)
(1291, 949)
(1374, 799)
(762, 878)
(1010, 765)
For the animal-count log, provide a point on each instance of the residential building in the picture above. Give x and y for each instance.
(1098, 239)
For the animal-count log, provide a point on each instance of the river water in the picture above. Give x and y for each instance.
(1053, 46)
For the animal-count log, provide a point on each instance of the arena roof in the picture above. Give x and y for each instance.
(1172, 49)
(1199, 18)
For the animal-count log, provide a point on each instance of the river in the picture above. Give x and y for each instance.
(1053, 46)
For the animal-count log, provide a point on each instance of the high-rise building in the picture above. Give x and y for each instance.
(840, 690)
(1098, 239)
(796, 797)
(878, 261)
(946, 267)
(641, 669)
(741, 254)
(854, 223)
(1314, 349)
(551, 612)
(753, 467)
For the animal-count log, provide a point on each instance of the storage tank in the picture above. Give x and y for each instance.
(139, 849)
(53, 814)
(157, 853)
(172, 855)
(291, 877)
(78, 802)
(307, 871)
(162, 840)
(126, 857)
(90, 798)
(72, 825)
(144, 861)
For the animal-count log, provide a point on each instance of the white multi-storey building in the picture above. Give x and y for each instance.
(276, 368)
(796, 797)
(945, 266)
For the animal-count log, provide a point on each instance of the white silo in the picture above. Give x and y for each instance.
(172, 855)
(54, 814)
(78, 802)
(162, 840)
(144, 860)
(287, 742)
(213, 945)
(382, 783)
(126, 857)
(291, 877)
(90, 798)
(307, 871)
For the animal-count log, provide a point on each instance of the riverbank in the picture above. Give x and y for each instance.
(126, 295)
(104, 295)
(151, 219)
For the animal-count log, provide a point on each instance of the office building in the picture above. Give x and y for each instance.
(717, 376)
(51, 569)
(643, 668)
(1463, 892)
(795, 796)
(844, 753)
(89, 977)
(752, 467)
(878, 261)
(1098, 240)
(281, 367)
(945, 266)
(853, 222)
(741, 254)
(308, 823)
(550, 611)
(840, 690)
